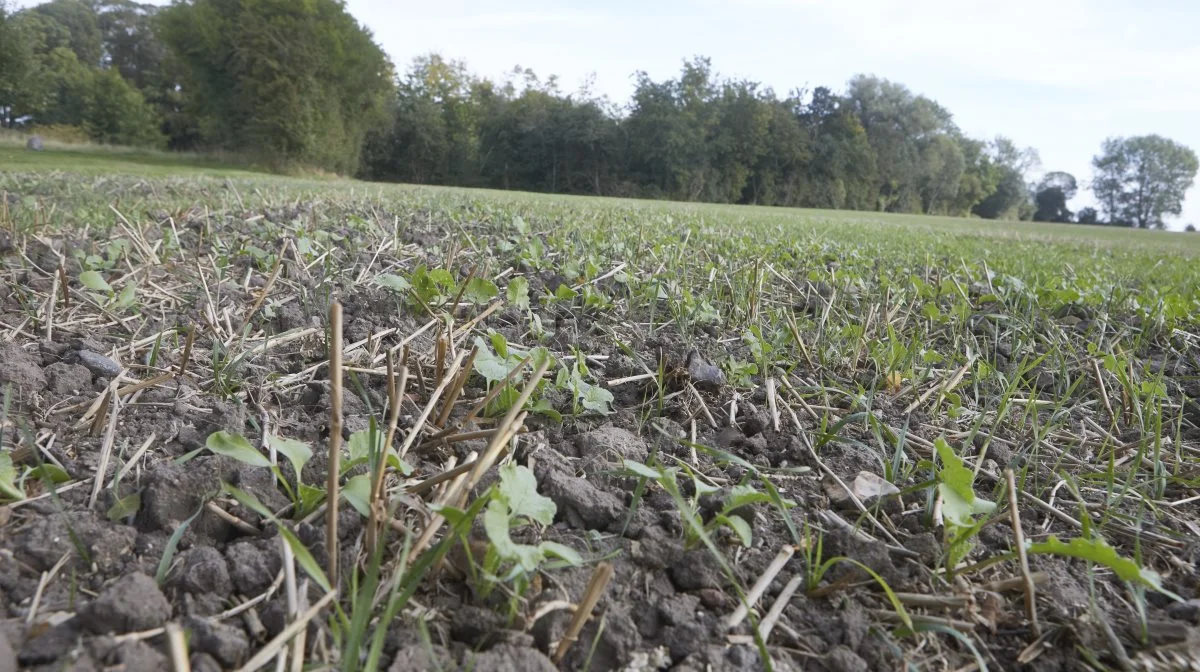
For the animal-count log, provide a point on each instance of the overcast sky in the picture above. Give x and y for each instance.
(1056, 75)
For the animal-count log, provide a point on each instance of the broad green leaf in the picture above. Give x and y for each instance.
(402, 467)
(95, 282)
(520, 225)
(740, 526)
(297, 452)
(8, 478)
(499, 343)
(53, 472)
(237, 447)
(481, 290)
(643, 470)
(1097, 551)
(357, 491)
(360, 442)
(743, 495)
(544, 407)
(518, 489)
(492, 367)
(128, 296)
(125, 507)
(565, 293)
(596, 399)
(495, 523)
(393, 282)
(956, 485)
(518, 292)
(310, 498)
(441, 277)
(562, 552)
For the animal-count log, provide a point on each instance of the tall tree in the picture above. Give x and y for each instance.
(1051, 197)
(292, 80)
(71, 24)
(1009, 197)
(1140, 180)
(16, 64)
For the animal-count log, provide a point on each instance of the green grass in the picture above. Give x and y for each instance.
(941, 350)
(105, 160)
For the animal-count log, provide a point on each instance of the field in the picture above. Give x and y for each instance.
(585, 431)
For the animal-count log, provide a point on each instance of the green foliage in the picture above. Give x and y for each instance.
(960, 505)
(115, 113)
(294, 82)
(515, 502)
(1097, 551)
(1141, 180)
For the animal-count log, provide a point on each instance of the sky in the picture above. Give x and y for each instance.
(1056, 75)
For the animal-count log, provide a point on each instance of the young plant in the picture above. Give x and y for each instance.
(960, 505)
(514, 503)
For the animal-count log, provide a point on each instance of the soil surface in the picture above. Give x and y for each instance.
(82, 580)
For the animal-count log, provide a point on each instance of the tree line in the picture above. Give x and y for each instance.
(301, 82)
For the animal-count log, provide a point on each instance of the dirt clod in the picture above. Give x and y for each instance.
(204, 571)
(227, 644)
(508, 658)
(132, 603)
(20, 368)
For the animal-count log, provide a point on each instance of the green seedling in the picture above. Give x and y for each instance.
(513, 503)
(740, 497)
(585, 396)
(960, 506)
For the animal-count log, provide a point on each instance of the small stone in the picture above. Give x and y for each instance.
(50, 645)
(139, 657)
(202, 662)
(867, 487)
(35, 143)
(99, 365)
(712, 598)
(703, 374)
(131, 604)
(1188, 610)
(227, 644)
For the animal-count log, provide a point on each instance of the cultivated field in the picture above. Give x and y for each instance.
(908, 443)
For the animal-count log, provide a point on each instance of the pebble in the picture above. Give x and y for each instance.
(99, 365)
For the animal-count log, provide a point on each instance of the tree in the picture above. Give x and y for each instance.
(902, 129)
(16, 65)
(1190, 228)
(1005, 168)
(290, 80)
(71, 24)
(1141, 180)
(1088, 216)
(116, 113)
(1053, 192)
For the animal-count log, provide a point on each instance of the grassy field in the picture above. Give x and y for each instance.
(583, 430)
